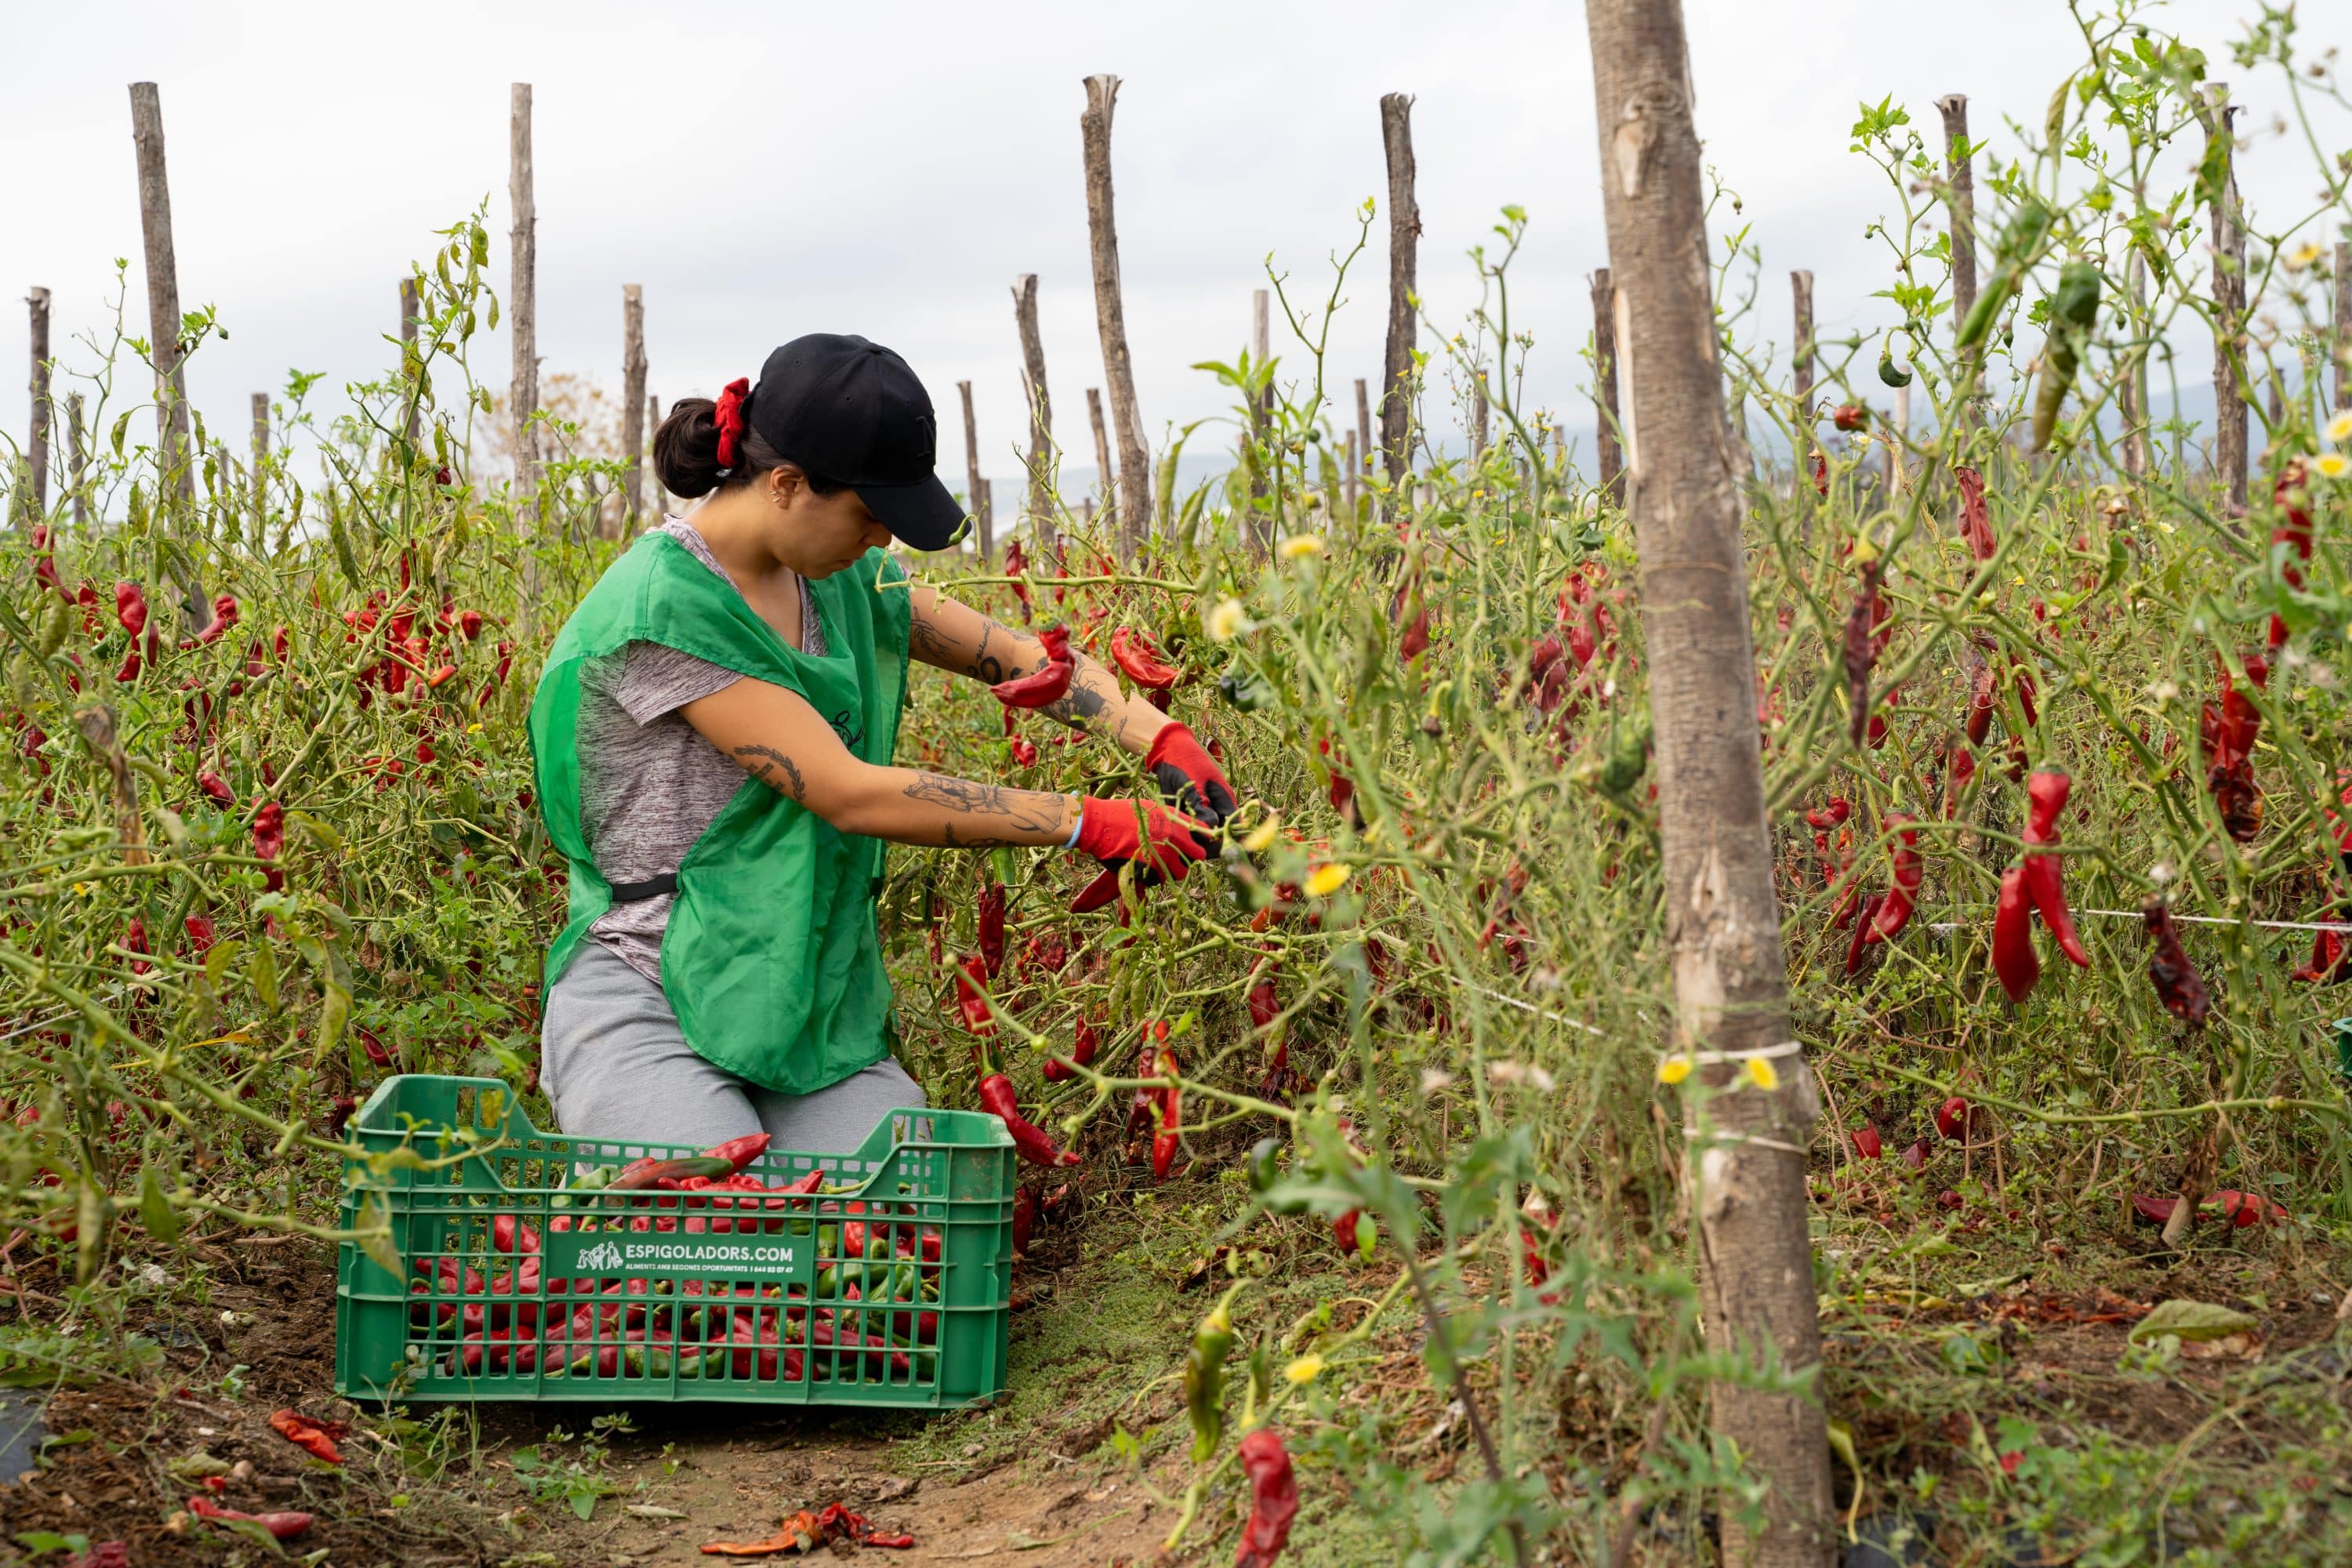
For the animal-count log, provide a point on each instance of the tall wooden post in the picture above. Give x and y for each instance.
(77, 462)
(408, 370)
(2229, 243)
(1364, 426)
(1110, 318)
(1259, 535)
(1105, 475)
(2343, 325)
(1350, 475)
(163, 326)
(1801, 370)
(975, 493)
(1404, 240)
(1041, 410)
(1959, 174)
(260, 463)
(660, 502)
(633, 404)
(2131, 391)
(1478, 416)
(37, 443)
(1607, 452)
(987, 518)
(1745, 1144)
(523, 288)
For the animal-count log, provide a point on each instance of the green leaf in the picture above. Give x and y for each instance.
(264, 975)
(2187, 1320)
(156, 1211)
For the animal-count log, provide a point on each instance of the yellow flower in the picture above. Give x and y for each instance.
(2301, 256)
(1674, 1069)
(1301, 544)
(1326, 881)
(1261, 837)
(2332, 465)
(1225, 620)
(1306, 1369)
(1763, 1074)
(2340, 428)
(473, 729)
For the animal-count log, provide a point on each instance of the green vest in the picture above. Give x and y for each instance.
(771, 959)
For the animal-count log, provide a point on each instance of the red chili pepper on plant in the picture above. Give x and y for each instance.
(2178, 984)
(992, 927)
(1850, 417)
(1136, 659)
(998, 1097)
(1976, 519)
(215, 788)
(2046, 794)
(2013, 958)
(1274, 1499)
(131, 608)
(1170, 1126)
(201, 934)
(1059, 1069)
(1952, 1118)
(971, 985)
(1893, 911)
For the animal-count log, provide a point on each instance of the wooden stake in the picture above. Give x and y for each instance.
(163, 329)
(260, 461)
(633, 403)
(2231, 394)
(77, 461)
(1350, 476)
(36, 445)
(1405, 237)
(1800, 295)
(987, 517)
(1041, 411)
(652, 421)
(2131, 393)
(2343, 336)
(1959, 173)
(1746, 1170)
(1478, 416)
(1609, 454)
(1259, 535)
(522, 289)
(1364, 426)
(975, 493)
(1110, 318)
(408, 365)
(1104, 479)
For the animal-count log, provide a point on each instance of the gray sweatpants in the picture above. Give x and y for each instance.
(615, 1065)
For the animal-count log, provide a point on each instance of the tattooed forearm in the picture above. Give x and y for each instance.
(927, 643)
(772, 767)
(949, 840)
(985, 666)
(1022, 811)
(1088, 700)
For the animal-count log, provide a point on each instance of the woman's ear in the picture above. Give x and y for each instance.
(784, 483)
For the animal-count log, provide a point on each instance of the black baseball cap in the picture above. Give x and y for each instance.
(846, 410)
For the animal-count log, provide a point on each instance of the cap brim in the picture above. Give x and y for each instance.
(922, 515)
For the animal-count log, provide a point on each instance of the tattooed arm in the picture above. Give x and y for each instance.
(781, 740)
(958, 637)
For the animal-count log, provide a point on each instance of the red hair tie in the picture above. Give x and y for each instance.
(728, 416)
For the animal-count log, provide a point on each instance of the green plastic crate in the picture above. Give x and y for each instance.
(671, 1296)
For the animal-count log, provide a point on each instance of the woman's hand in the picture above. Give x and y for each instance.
(1189, 777)
(1117, 832)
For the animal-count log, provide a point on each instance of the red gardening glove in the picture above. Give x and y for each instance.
(1190, 779)
(1109, 830)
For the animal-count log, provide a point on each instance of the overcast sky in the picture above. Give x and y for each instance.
(769, 170)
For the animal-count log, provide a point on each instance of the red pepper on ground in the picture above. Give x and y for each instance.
(1274, 1499)
(1025, 1216)
(283, 1526)
(1831, 815)
(304, 1433)
(1866, 1143)
(2045, 794)
(2178, 984)
(998, 1097)
(1952, 1118)
(2013, 958)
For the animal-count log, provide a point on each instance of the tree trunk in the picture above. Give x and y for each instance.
(409, 369)
(1404, 240)
(2344, 335)
(1104, 473)
(633, 406)
(2229, 244)
(1041, 411)
(1723, 928)
(1110, 318)
(1605, 420)
(1800, 366)
(37, 443)
(975, 495)
(522, 291)
(77, 462)
(176, 452)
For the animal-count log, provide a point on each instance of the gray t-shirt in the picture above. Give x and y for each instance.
(649, 783)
